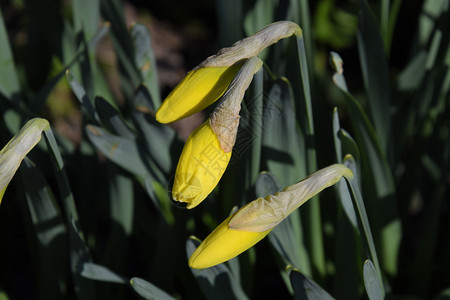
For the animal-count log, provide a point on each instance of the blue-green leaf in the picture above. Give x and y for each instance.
(160, 140)
(81, 95)
(375, 73)
(124, 152)
(148, 290)
(100, 273)
(371, 282)
(307, 289)
(9, 81)
(144, 58)
(340, 139)
(111, 118)
(376, 169)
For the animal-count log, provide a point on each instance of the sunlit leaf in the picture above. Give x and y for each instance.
(148, 290)
(371, 282)
(307, 289)
(101, 273)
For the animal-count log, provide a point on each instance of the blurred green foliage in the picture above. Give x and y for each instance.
(89, 214)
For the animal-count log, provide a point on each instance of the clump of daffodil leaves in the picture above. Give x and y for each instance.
(207, 151)
(17, 148)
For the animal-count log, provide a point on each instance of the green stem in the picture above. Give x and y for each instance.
(316, 239)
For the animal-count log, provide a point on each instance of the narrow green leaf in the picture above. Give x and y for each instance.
(61, 176)
(313, 207)
(129, 155)
(122, 201)
(346, 259)
(81, 95)
(71, 56)
(307, 289)
(164, 202)
(384, 22)
(375, 73)
(122, 151)
(432, 10)
(111, 118)
(301, 14)
(289, 245)
(44, 211)
(344, 195)
(371, 282)
(86, 15)
(100, 273)
(216, 282)
(337, 140)
(9, 81)
(428, 238)
(266, 184)
(377, 170)
(413, 73)
(123, 45)
(147, 290)
(230, 16)
(359, 206)
(145, 60)
(283, 153)
(393, 14)
(51, 257)
(160, 140)
(78, 250)
(255, 108)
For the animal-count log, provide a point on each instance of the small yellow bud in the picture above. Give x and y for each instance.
(198, 90)
(200, 167)
(254, 221)
(207, 82)
(17, 148)
(223, 244)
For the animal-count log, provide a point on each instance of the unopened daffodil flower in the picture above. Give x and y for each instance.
(17, 148)
(227, 74)
(254, 221)
(207, 82)
(207, 151)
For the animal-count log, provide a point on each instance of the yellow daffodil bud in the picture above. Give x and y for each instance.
(14, 152)
(198, 90)
(209, 80)
(207, 151)
(254, 221)
(200, 167)
(223, 244)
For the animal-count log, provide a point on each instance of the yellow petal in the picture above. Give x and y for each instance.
(199, 89)
(14, 152)
(223, 244)
(200, 167)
